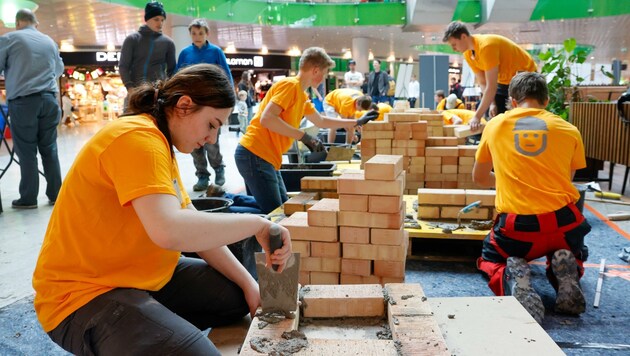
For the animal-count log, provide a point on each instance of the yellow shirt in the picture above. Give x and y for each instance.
(533, 153)
(495, 50)
(269, 145)
(382, 110)
(344, 101)
(95, 241)
(465, 115)
(442, 105)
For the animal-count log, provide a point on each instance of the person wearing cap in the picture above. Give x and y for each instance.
(495, 60)
(344, 103)
(202, 51)
(147, 55)
(354, 80)
(534, 155)
(458, 116)
(449, 103)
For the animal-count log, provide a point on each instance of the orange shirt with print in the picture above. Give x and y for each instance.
(289, 95)
(533, 153)
(494, 50)
(95, 242)
(344, 101)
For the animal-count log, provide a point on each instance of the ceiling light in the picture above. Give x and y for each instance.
(410, 59)
(111, 47)
(264, 50)
(391, 58)
(66, 46)
(370, 56)
(347, 55)
(8, 9)
(294, 52)
(230, 48)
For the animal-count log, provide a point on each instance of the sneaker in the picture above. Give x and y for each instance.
(202, 184)
(219, 175)
(570, 299)
(516, 282)
(17, 204)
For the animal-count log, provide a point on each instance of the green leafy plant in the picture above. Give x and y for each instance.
(559, 63)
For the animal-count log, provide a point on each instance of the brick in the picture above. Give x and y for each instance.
(378, 126)
(466, 161)
(368, 143)
(325, 249)
(383, 167)
(450, 160)
(402, 117)
(399, 151)
(393, 237)
(298, 202)
(322, 301)
(271, 331)
(467, 150)
(354, 218)
(309, 204)
(315, 183)
(324, 278)
(356, 267)
(375, 252)
(420, 126)
(403, 126)
(355, 183)
(324, 213)
(414, 185)
(387, 221)
(384, 203)
(418, 335)
(415, 151)
(304, 278)
(414, 303)
(377, 134)
(357, 235)
(381, 151)
(449, 177)
(449, 130)
(441, 151)
(352, 279)
(431, 169)
(402, 135)
(417, 161)
(442, 197)
(428, 212)
(325, 195)
(394, 269)
(434, 141)
(320, 264)
(367, 152)
(297, 224)
(487, 197)
(419, 135)
(358, 251)
(353, 202)
(450, 212)
(415, 170)
(401, 143)
(433, 161)
(301, 247)
(432, 184)
(414, 177)
(449, 169)
(450, 185)
(383, 143)
(465, 169)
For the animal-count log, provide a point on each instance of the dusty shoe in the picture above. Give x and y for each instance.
(516, 282)
(219, 175)
(570, 299)
(202, 184)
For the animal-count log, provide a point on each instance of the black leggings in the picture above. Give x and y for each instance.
(169, 321)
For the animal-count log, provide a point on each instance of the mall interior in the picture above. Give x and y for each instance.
(431, 298)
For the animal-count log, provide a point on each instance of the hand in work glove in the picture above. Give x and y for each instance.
(313, 143)
(367, 117)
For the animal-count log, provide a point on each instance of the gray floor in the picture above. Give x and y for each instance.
(22, 231)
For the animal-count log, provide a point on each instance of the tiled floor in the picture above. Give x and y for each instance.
(22, 231)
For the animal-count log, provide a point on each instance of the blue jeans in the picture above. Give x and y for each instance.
(261, 180)
(34, 120)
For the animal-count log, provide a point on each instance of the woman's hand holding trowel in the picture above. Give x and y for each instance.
(276, 242)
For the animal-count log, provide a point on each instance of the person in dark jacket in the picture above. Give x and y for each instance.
(378, 84)
(147, 55)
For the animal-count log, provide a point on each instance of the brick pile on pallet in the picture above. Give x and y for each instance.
(446, 203)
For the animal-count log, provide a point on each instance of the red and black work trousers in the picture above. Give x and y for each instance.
(531, 237)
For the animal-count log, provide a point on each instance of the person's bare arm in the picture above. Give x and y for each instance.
(271, 120)
(489, 88)
(329, 122)
(483, 175)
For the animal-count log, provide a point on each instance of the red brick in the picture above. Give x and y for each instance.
(387, 236)
(384, 203)
(383, 167)
(355, 183)
(389, 268)
(357, 235)
(356, 267)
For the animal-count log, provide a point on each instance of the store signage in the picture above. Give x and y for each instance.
(255, 61)
(107, 56)
(247, 61)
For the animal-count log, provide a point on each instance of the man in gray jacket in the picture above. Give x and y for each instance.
(378, 84)
(31, 65)
(147, 55)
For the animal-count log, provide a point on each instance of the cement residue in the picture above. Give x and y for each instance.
(398, 346)
(395, 320)
(271, 318)
(301, 293)
(424, 299)
(481, 224)
(387, 298)
(293, 342)
(262, 324)
(385, 334)
(407, 296)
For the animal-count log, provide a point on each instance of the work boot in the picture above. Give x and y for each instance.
(202, 184)
(516, 282)
(219, 175)
(570, 299)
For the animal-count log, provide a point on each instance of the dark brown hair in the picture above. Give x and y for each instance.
(365, 102)
(529, 85)
(205, 84)
(455, 29)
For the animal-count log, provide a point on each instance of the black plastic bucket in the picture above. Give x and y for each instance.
(212, 204)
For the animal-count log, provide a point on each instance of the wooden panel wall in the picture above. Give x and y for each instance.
(605, 136)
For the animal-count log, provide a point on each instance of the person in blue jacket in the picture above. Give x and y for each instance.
(202, 51)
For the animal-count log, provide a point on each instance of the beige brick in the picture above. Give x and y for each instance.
(434, 141)
(393, 237)
(377, 135)
(465, 169)
(432, 184)
(413, 186)
(354, 218)
(420, 126)
(418, 335)
(355, 183)
(384, 203)
(383, 143)
(378, 126)
(325, 194)
(301, 247)
(487, 197)
(416, 143)
(358, 251)
(415, 151)
(356, 267)
(442, 196)
(387, 221)
(450, 185)
(450, 160)
(353, 202)
(415, 177)
(352, 279)
(368, 143)
(419, 135)
(464, 177)
(449, 169)
(400, 143)
(320, 264)
(324, 213)
(413, 303)
(403, 126)
(449, 130)
(466, 161)
(298, 202)
(314, 183)
(432, 117)
(402, 117)
(433, 161)
(324, 278)
(356, 235)
(297, 224)
(389, 268)
(467, 150)
(399, 151)
(450, 212)
(383, 167)
(428, 212)
(322, 301)
(375, 252)
(381, 151)
(402, 135)
(417, 161)
(325, 249)
(309, 204)
(367, 152)
(441, 151)
(433, 169)
(449, 177)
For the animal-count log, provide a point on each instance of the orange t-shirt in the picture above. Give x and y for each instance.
(465, 115)
(495, 50)
(269, 145)
(344, 101)
(95, 242)
(382, 110)
(442, 105)
(533, 153)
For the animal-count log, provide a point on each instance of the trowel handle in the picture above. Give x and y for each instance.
(468, 208)
(275, 241)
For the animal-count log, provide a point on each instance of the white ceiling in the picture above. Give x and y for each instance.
(91, 24)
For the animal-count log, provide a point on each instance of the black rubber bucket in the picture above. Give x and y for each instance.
(212, 204)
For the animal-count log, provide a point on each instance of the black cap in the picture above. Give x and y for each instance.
(352, 61)
(153, 9)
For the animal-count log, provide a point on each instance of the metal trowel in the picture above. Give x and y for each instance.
(278, 290)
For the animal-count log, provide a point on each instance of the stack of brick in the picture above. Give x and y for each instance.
(435, 123)
(371, 217)
(446, 203)
(465, 166)
(312, 190)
